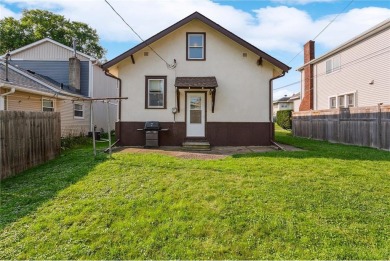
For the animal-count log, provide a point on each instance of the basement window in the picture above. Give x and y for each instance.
(47, 105)
(78, 111)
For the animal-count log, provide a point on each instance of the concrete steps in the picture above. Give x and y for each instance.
(196, 145)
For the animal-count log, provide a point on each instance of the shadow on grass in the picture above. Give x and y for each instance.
(321, 149)
(24, 193)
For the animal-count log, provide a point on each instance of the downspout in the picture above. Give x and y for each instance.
(272, 131)
(5, 94)
(107, 73)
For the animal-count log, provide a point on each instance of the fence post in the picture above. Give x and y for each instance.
(379, 126)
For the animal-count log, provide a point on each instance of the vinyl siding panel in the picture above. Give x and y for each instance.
(71, 126)
(361, 64)
(46, 51)
(104, 86)
(57, 70)
(21, 101)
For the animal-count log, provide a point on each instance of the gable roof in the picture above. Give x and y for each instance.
(31, 45)
(283, 99)
(385, 25)
(208, 22)
(35, 82)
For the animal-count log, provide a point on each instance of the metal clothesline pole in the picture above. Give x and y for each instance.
(108, 129)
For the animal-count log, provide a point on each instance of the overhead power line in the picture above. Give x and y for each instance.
(350, 2)
(353, 62)
(170, 66)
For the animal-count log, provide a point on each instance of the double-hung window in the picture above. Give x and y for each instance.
(333, 64)
(78, 111)
(196, 46)
(47, 105)
(155, 90)
(332, 102)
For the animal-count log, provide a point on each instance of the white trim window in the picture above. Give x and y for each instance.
(341, 101)
(78, 111)
(332, 102)
(350, 100)
(47, 105)
(344, 100)
(156, 92)
(333, 64)
(196, 46)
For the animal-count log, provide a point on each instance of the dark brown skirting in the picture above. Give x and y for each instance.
(217, 133)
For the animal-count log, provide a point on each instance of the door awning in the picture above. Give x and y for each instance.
(209, 83)
(196, 82)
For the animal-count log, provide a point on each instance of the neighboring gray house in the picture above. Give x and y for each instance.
(51, 59)
(296, 100)
(282, 104)
(355, 74)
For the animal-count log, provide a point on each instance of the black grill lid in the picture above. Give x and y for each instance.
(152, 125)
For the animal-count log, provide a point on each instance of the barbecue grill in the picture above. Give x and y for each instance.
(152, 128)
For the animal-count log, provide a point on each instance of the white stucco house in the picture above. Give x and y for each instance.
(206, 83)
(355, 74)
(59, 69)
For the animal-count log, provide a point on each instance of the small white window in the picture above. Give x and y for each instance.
(333, 64)
(332, 102)
(78, 111)
(47, 105)
(196, 46)
(341, 101)
(155, 92)
(351, 100)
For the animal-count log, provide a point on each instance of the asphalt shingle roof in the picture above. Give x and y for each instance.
(196, 82)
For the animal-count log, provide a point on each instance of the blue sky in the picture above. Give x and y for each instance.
(278, 27)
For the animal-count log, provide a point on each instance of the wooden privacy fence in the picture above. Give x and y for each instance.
(363, 126)
(27, 139)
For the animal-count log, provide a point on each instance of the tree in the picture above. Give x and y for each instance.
(38, 24)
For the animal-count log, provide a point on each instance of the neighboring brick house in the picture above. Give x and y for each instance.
(355, 74)
(216, 88)
(57, 64)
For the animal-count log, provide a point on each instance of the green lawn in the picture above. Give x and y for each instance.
(327, 202)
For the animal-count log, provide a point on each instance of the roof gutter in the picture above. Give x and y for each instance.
(107, 73)
(271, 128)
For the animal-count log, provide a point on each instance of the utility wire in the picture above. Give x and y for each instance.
(170, 66)
(353, 62)
(350, 2)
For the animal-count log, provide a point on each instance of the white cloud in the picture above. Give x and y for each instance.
(5, 12)
(272, 29)
(301, 2)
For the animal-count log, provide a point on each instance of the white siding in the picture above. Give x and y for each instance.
(104, 86)
(69, 125)
(242, 94)
(46, 51)
(360, 64)
(296, 105)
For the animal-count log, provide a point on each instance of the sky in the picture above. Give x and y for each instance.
(277, 27)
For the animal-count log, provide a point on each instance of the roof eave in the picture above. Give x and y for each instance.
(208, 22)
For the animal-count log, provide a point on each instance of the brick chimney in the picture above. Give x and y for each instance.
(74, 73)
(307, 100)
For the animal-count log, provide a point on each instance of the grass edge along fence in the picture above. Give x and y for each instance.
(362, 126)
(27, 139)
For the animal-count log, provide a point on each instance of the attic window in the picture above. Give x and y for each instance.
(196, 46)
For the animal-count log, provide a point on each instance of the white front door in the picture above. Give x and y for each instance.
(196, 114)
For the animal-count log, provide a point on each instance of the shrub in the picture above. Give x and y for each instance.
(284, 119)
(70, 142)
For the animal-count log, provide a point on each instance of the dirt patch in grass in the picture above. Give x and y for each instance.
(214, 154)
